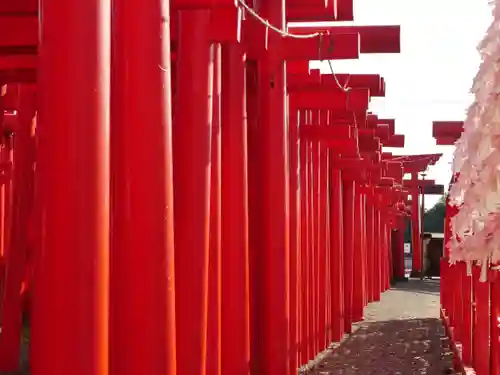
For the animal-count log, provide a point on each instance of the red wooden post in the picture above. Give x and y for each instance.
(256, 225)
(191, 148)
(142, 320)
(3, 92)
(467, 313)
(370, 246)
(349, 234)
(400, 248)
(364, 246)
(481, 330)
(357, 255)
(235, 257)
(305, 244)
(322, 223)
(495, 325)
(337, 253)
(295, 285)
(274, 337)
(315, 274)
(214, 260)
(73, 270)
(311, 250)
(377, 253)
(22, 199)
(415, 228)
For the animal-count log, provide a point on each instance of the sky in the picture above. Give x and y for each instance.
(430, 79)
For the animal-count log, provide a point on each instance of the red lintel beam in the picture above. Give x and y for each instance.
(351, 163)
(339, 46)
(420, 183)
(368, 143)
(446, 141)
(353, 100)
(18, 6)
(447, 129)
(18, 31)
(397, 140)
(317, 4)
(303, 81)
(18, 76)
(326, 132)
(373, 39)
(345, 10)
(383, 132)
(15, 62)
(386, 181)
(388, 121)
(394, 169)
(309, 14)
(202, 4)
(373, 82)
(371, 121)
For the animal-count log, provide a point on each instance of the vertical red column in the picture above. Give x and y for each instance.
(214, 260)
(305, 245)
(295, 286)
(376, 252)
(364, 246)
(481, 332)
(311, 292)
(274, 299)
(370, 247)
(400, 244)
(235, 258)
(349, 215)
(3, 92)
(337, 253)
(256, 226)
(142, 318)
(314, 163)
(388, 255)
(322, 258)
(494, 325)
(192, 133)
(72, 275)
(467, 316)
(357, 254)
(415, 228)
(22, 199)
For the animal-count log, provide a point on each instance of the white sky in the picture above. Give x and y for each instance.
(431, 78)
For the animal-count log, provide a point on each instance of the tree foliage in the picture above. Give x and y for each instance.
(433, 219)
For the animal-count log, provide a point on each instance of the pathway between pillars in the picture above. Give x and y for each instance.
(401, 334)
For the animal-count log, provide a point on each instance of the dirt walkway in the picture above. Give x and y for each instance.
(401, 334)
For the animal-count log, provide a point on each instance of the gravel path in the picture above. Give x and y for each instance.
(401, 334)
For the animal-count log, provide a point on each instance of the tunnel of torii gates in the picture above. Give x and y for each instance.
(143, 140)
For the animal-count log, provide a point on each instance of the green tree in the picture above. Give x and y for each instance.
(433, 219)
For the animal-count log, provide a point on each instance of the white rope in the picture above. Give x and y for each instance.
(274, 28)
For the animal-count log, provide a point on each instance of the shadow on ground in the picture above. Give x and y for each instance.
(428, 286)
(404, 347)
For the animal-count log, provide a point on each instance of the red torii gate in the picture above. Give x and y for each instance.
(414, 164)
(148, 138)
